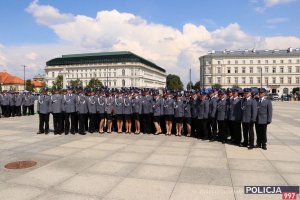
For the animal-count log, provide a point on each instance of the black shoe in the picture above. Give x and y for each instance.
(264, 147)
(46, 132)
(250, 147)
(72, 132)
(243, 145)
(66, 133)
(40, 132)
(257, 146)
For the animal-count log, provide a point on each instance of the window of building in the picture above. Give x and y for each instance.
(281, 70)
(219, 62)
(251, 80)
(123, 72)
(243, 80)
(251, 61)
(236, 62)
(266, 69)
(258, 80)
(115, 83)
(281, 61)
(289, 80)
(228, 70)
(297, 80)
(290, 61)
(290, 69)
(244, 70)
(53, 75)
(236, 70)
(258, 61)
(123, 83)
(266, 80)
(298, 60)
(274, 69)
(236, 80)
(244, 62)
(266, 61)
(115, 74)
(273, 80)
(219, 80)
(228, 62)
(209, 79)
(274, 61)
(228, 80)
(251, 70)
(281, 80)
(298, 69)
(219, 70)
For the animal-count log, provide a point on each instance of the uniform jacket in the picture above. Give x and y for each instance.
(91, 104)
(119, 105)
(212, 107)
(137, 105)
(158, 107)
(168, 106)
(178, 108)
(264, 111)
(56, 103)
(221, 114)
(69, 103)
(147, 103)
(5, 100)
(100, 104)
(249, 110)
(202, 109)
(194, 109)
(27, 100)
(127, 105)
(12, 100)
(43, 104)
(81, 104)
(235, 109)
(109, 104)
(19, 99)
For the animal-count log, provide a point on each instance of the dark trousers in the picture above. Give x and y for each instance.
(18, 110)
(57, 122)
(25, 110)
(194, 127)
(11, 111)
(222, 130)
(81, 122)
(146, 119)
(212, 128)
(31, 110)
(248, 133)
(261, 134)
(236, 133)
(5, 111)
(75, 122)
(68, 117)
(92, 122)
(202, 129)
(44, 123)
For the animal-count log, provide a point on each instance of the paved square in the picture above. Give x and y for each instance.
(113, 166)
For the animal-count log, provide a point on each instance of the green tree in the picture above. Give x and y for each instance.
(29, 86)
(197, 85)
(58, 81)
(94, 82)
(296, 90)
(216, 85)
(76, 83)
(236, 86)
(174, 82)
(190, 85)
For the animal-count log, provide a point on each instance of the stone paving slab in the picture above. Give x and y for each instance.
(128, 166)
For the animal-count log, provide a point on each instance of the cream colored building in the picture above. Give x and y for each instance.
(275, 70)
(113, 69)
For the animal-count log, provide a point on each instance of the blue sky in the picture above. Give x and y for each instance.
(31, 32)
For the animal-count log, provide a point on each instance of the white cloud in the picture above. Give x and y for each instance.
(271, 3)
(277, 20)
(173, 49)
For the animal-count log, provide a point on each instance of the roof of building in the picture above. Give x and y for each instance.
(6, 78)
(38, 83)
(105, 57)
(255, 53)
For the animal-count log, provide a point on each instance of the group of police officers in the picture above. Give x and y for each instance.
(207, 114)
(16, 103)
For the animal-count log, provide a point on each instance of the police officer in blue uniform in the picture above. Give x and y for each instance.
(264, 118)
(147, 103)
(212, 122)
(202, 110)
(56, 108)
(249, 114)
(221, 115)
(178, 113)
(100, 104)
(82, 111)
(136, 110)
(43, 109)
(69, 108)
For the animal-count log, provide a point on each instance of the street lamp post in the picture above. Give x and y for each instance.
(24, 78)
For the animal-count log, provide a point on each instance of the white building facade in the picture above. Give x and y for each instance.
(276, 70)
(113, 69)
